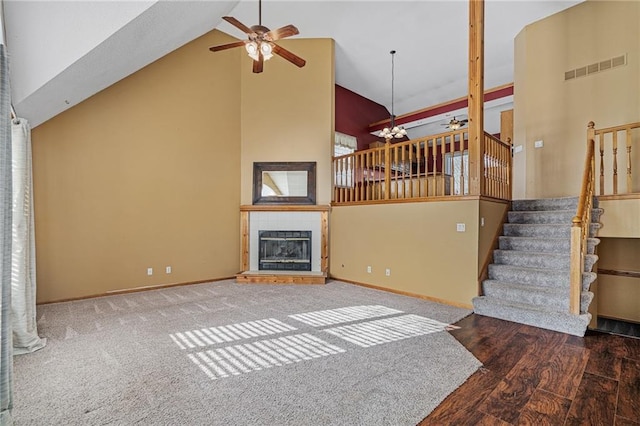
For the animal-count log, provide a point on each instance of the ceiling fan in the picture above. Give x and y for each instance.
(260, 44)
(455, 124)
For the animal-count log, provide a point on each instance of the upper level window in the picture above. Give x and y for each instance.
(344, 144)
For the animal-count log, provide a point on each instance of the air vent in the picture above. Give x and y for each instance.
(620, 60)
(596, 67)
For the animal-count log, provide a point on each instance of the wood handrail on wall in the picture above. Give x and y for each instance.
(427, 168)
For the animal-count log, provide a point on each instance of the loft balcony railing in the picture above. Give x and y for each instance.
(431, 168)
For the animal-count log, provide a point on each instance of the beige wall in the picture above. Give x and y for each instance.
(417, 241)
(150, 172)
(493, 213)
(288, 113)
(620, 219)
(138, 176)
(619, 296)
(548, 108)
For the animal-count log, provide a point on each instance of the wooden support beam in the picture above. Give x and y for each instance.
(476, 100)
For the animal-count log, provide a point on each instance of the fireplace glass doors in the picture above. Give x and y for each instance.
(284, 250)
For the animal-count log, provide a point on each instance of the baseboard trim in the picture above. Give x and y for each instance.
(610, 317)
(134, 290)
(407, 293)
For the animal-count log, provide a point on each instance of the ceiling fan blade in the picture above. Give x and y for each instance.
(291, 57)
(464, 121)
(286, 31)
(257, 65)
(226, 46)
(239, 25)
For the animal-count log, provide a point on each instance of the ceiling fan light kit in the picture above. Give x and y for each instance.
(456, 124)
(252, 50)
(260, 44)
(266, 49)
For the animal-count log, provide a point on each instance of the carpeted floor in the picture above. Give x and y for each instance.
(229, 354)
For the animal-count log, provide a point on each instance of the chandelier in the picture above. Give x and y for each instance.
(393, 131)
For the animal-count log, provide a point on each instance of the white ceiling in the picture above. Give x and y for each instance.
(62, 52)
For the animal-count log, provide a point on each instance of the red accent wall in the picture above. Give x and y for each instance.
(354, 113)
(444, 108)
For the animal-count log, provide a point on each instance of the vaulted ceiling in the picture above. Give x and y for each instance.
(62, 52)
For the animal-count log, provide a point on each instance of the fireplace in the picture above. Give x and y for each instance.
(284, 250)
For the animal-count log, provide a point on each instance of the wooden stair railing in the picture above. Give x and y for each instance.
(581, 223)
(497, 168)
(608, 140)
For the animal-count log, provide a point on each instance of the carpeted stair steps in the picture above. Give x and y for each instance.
(529, 279)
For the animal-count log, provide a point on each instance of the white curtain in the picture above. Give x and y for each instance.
(23, 259)
(346, 141)
(6, 350)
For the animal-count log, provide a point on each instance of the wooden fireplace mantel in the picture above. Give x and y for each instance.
(285, 277)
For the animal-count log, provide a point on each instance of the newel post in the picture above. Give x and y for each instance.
(591, 131)
(576, 266)
(476, 97)
(591, 139)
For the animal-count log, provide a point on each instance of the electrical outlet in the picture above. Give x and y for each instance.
(387, 272)
(368, 269)
(482, 221)
(460, 227)
(149, 271)
(538, 144)
(168, 269)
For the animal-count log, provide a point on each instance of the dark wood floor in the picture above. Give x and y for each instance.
(533, 376)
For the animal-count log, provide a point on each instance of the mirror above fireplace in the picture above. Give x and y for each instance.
(284, 183)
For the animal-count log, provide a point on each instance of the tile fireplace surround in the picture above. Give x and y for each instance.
(256, 218)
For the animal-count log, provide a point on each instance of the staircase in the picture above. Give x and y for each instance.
(529, 280)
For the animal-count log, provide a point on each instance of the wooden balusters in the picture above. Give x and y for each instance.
(435, 166)
(628, 140)
(497, 165)
(615, 162)
(601, 163)
(608, 138)
(463, 146)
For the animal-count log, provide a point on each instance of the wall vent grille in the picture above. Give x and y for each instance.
(596, 67)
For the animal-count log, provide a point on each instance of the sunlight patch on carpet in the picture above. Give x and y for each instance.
(366, 329)
(246, 358)
(342, 315)
(229, 333)
(387, 330)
